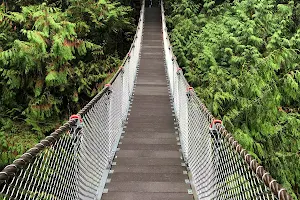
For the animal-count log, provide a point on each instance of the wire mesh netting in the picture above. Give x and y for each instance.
(73, 164)
(217, 170)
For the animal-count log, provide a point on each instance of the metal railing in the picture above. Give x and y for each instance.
(74, 161)
(219, 166)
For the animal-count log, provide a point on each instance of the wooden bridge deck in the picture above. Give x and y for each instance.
(148, 165)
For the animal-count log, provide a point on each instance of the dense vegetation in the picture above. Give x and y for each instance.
(54, 57)
(242, 58)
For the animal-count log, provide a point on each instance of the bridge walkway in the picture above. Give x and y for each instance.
(148, 165)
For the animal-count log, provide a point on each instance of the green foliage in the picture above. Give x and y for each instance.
(14, 140)
(53, 60)
(244, 56)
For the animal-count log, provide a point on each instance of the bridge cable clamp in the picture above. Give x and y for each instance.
(77, 127)
(109, 88)
(213, 126)
(189, 91)
(213, 129)
(178, 70)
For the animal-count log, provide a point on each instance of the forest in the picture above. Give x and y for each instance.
(242, 58)
(55, 55)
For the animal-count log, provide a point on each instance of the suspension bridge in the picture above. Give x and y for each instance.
(146, 135)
